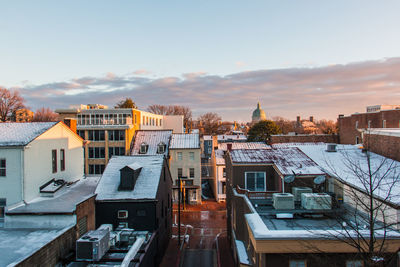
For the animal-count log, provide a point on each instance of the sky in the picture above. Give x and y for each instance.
(307, 57)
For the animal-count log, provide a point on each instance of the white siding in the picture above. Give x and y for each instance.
(10, 186)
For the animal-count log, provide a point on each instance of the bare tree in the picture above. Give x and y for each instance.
(370, 188)
(327, 126)
(10, 102)
(173, 110)
(209, 123)
(284, 124)
(45, 114)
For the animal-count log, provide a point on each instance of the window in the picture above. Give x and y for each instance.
(81, 133)
(179, 155)
(255, 181)
(135, 119)
(2, 207)
(141, 213)
(116, 135)
(369, 124)
(384, 124)
(62, 160)
(161, 148)
(357, 140)
(54, 160)
(97, 152)
(356, 124)
(122, 225)
(191, 172)
(224, 172)
(117, 151)
(179, 172)
(297, 263)
(96, 168)
(143, 148)
(191, 155)
(354, 263)
(96, 135)
(122, 214)
(3, 167)
(160, 122)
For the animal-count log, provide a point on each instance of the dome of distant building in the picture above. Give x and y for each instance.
(258, 114)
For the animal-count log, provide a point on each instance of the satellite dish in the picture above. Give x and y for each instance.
(289, 178)
(319, 179)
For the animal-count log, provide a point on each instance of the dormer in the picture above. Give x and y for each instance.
(128, 176)
(143, 148)
(161, 148)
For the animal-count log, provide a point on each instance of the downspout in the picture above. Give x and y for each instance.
(22, 174)
(132, 252)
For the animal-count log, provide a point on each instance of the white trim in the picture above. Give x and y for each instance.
(255, 182)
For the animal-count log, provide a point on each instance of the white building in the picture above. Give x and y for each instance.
(32, 155)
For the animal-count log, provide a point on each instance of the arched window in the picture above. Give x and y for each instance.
(161, 148)
(143, 148)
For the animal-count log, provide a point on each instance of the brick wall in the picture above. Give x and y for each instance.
(305, 138)
(53, 252)
(86, 208)
(388, 146)
(347, 125)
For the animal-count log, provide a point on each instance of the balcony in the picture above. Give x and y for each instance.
(100, 121)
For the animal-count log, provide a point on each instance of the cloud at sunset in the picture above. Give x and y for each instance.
(323, 92)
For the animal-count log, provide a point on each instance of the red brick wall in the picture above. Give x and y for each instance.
(347, 125)
(51, 254)
(388, 146)
(305, 138)
(86, 208)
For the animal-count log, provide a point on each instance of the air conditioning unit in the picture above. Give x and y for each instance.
(331, 148)
(283, 201)
(316, 201)
(93, 245)
(297, 191)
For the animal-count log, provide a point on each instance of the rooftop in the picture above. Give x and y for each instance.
(146, 185)
(288, 160)
(244, 145)
(18, 244)
(350, 165)
(64, 201)
(152, 139)
(384, 131)
(185, 141)
(21, 134)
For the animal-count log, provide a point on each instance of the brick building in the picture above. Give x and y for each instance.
(351, 127)
(385, 142)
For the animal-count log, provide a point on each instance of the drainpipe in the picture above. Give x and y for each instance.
(132, 251)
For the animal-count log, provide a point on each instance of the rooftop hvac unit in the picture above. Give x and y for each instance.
(93, 245)
(297, 191)
(316, 201)
(283, 201)
(331, 148)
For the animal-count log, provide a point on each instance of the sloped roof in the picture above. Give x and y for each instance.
(21, 134)
(146, 185)
(151, 138)
(287, 160)
(185, 141)
(244, 145)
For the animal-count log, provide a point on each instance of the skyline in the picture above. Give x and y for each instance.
(172, 52)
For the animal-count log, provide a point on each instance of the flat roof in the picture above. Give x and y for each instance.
(64, 201)
(18, 244)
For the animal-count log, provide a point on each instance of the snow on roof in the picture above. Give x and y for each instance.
(339, 164)
(151, 138)
(384, 131)
(21, 134)
(19, 244)
(146, 185)
(245, 145)
(185, 141)
(207, 137)
(64, 201)
(227, 137)
(287, 160)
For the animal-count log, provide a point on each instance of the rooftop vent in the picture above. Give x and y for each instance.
(316, 201)
(297, 191)
(128, 176)
(331, 148)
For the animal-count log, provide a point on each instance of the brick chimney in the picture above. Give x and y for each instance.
(229, 147)
(298, 123)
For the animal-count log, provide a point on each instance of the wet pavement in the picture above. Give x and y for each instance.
(200, 225)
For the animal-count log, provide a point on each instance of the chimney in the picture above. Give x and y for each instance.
(298, 123)
(311, 119)
(229, 147)
(71, 123)
(128, 176)
(341, 116)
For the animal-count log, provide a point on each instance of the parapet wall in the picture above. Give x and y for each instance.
(305, 138)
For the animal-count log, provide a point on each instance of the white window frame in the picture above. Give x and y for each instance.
(179, 155)
(191, 155)
(356, 124)
(161, 148)
(255, 182)
(122, 216)
(384, 124)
